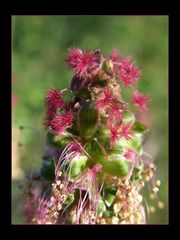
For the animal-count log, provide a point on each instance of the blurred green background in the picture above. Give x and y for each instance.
(39, 47)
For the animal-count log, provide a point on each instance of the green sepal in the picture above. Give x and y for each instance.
(135, 143)
(128, 117)
(78, 165)
(139, 127)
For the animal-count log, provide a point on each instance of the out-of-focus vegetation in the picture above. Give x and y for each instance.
(40, 45)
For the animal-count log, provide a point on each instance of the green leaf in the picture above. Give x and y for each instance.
(47, 170)
(139, 127)
(128, 117)
(110, 195)
(135, 143)
(101, 207)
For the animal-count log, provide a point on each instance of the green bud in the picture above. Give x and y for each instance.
(135, 143)
(107, 66)
(87, 120)
(139, 127)
(78, 165)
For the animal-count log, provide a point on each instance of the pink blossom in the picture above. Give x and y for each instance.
(61, 123)
(141, 100)
(130, 154)
(128, 72)
(126, 130)
(53, 101)
(115, 112)
(114, 57)
(115, 132)
(76, 148)
(105, 101)
(87, 181)
(79, 61)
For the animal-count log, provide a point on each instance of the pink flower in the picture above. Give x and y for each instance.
(61, 123)
(79, 61)
(114, 57)
(87, 181)
(115, 112)
(130, 154)
(105, 101)
(115, 133)
(76, 148)
(141, 100)
(126, 130)
(128, 72)
(53, 101)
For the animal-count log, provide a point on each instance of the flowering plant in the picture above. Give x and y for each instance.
(95, 166)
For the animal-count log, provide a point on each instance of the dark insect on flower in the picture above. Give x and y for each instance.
(77, 83)
(141, 100)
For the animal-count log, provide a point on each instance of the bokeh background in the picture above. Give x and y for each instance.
(39, 47)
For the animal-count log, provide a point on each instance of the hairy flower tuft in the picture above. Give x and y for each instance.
(79, 61)
(60, 123)
(128, 72)
(141, 100)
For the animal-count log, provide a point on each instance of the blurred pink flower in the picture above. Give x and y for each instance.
(141, 100)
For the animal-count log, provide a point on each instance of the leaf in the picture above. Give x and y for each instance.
(101, 207)
(139, 127)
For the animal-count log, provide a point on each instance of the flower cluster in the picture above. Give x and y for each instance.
(99, 167)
